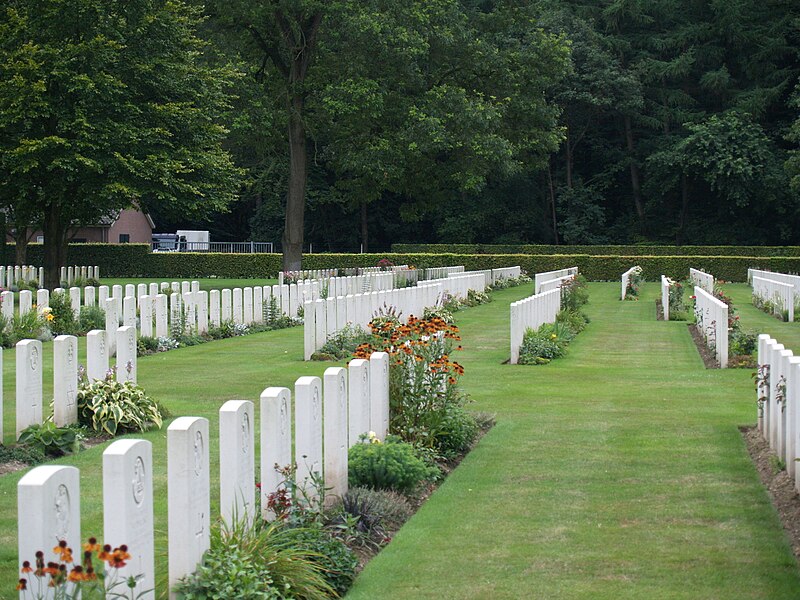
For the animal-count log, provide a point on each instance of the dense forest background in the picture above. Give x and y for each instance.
(494, 121)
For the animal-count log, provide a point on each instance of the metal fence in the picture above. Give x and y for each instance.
(231, 247)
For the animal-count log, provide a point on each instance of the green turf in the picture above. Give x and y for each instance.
(616, 472)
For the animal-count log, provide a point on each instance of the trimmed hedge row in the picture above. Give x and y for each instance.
(135, 260)
(605, 250)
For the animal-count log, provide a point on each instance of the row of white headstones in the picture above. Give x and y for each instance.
(328, 419)
(781, 289)
(540, 308)
(778, 393)
(711, 315)
(12, 274)
(29, 373)
(323, 319)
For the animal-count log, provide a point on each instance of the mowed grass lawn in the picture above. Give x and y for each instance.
(617, 471)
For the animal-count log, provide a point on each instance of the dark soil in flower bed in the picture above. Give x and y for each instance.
(779, 484)
(740, 361)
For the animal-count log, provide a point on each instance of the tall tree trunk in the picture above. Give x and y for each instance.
(679, 238)
(568, 149)
(55, 245)
(296, 197)
(552, 202)
(636, 186)
(364, 228)
(21, 246)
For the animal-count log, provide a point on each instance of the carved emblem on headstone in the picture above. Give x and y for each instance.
(137, 485)
(315, 404)
(198, 452)
(245, 432)
(34, 358)
(284, 416)
(62, 505)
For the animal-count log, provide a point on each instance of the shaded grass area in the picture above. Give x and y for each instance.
(756, 319)
(192, 381)
(615, 472)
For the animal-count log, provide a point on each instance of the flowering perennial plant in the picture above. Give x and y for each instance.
(424, 394)
(63, 579)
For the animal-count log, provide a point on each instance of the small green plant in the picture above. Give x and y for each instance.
(63, 320)
(108, 406)
(263, 562)
(393, 465)
(476, 298)
(146, 345)
(91, 317)
(574, 293)
(777, 464)
(51, 440)
(31, 325)
(345, 341)
(22, 454)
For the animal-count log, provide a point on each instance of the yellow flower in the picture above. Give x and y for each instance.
(553, 336)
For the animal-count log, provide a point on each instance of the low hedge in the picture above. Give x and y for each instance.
(604, 250)
(135, 260)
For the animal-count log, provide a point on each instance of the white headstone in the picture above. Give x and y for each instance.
(336, 435)
(129, 311)
(112, 323)
(102, 296)
(276, 441)
(7, 305)
(89, 297)
(379, 394)
(258, 304)
(188, 495)
(48, 511)
(189, 311)
(227, 305)
(25, 302)
(358, 411)
(146, 315)
(237, 461)
(162, 325)
(186, 287)
(247, 305)
(96, 354)
(176, 287)
(130, 290)
(141, 290)
(128, 514)
(42, 299)
(214, 308)
(195, 286)
(176, 321)
(238, 312)
(201, 306)
(308, 432)
(65, 380)
(153, 290)
(29, 384)
(126, 354)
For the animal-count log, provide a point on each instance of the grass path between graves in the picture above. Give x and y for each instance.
(616, 472)
(753, 318)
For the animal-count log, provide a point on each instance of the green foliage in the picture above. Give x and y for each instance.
(31, 325)
(344, 342)
(392, 465)
(334, 559)
(742, 341)
(146, 345)
(24, 454)
(50, 440)
(574, 293)
(374, 512)
(263, 562)
(550, 341)
(63, 321)
(605, 250)
(108, 406)
(456, 432)
(91, 317)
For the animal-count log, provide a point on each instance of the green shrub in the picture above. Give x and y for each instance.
(393, 465)
(343, 343)
(574, 319)
(539, 347)
(108, 406)
(574, 293)
(50, 440)
(455, 433)
(373, 512)
(263, 562)
(91, 317)
(742, 341)
(29, 326)
(604, 249)
(63, 320)
(23, 454)
(146, 345)
(335, 560)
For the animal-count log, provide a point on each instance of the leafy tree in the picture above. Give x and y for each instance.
(106, 104)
